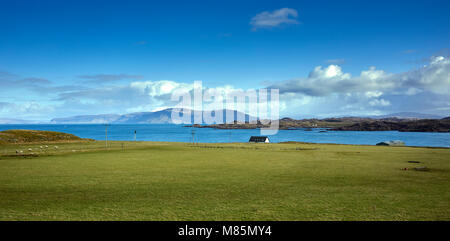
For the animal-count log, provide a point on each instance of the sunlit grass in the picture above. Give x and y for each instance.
(178, 181)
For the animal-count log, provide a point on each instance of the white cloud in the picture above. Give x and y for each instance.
(373, 73)
(326, 91)
(27, 110)
(379, 102)
(270, 19)
(371, 94)
(434, 77)
(420, 90)
(161, 87)
(412, 91)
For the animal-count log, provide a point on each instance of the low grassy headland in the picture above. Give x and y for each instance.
(35, 136)
(236, 181)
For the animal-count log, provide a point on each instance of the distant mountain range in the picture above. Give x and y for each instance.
(408, 115)
(156, 117)
(164, 117)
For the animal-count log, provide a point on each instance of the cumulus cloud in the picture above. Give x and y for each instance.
(134, 96)
(326, 91)
(142, 96)
(372, 90)
(371, 94)
(270, 19)
(320, 82)
(434, 77)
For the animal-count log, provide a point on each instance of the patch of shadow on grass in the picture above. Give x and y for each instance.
(271, 148)
(299, 149)
(24, 156)
(348, 153)
(421, 169)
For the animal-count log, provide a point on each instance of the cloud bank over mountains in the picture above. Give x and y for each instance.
(326, 91)
(433, 77)
(374, 91)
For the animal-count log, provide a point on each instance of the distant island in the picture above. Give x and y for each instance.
(426, 125)
(348, 124)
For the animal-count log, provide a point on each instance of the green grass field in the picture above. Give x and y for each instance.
(178, 181)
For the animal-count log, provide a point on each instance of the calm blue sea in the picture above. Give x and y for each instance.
(178, 133)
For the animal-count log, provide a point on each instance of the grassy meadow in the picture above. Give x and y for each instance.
(239, 181)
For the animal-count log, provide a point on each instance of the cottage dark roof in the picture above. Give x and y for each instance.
(258, 138)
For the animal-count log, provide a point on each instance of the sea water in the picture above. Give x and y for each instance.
(179, 133)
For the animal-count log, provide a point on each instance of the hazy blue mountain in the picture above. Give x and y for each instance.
(156, 117)
(408, 115)
(164, 117)
(86, 119)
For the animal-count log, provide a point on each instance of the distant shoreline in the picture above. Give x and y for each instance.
(347, 124)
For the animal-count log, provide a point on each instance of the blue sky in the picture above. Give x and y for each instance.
(62, 58)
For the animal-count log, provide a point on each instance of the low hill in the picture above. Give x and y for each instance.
(349, 124)
(408, 115)
(403, 126)
(33, 136)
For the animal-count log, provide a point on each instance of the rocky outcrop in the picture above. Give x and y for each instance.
(349, 124)
(442, 125)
